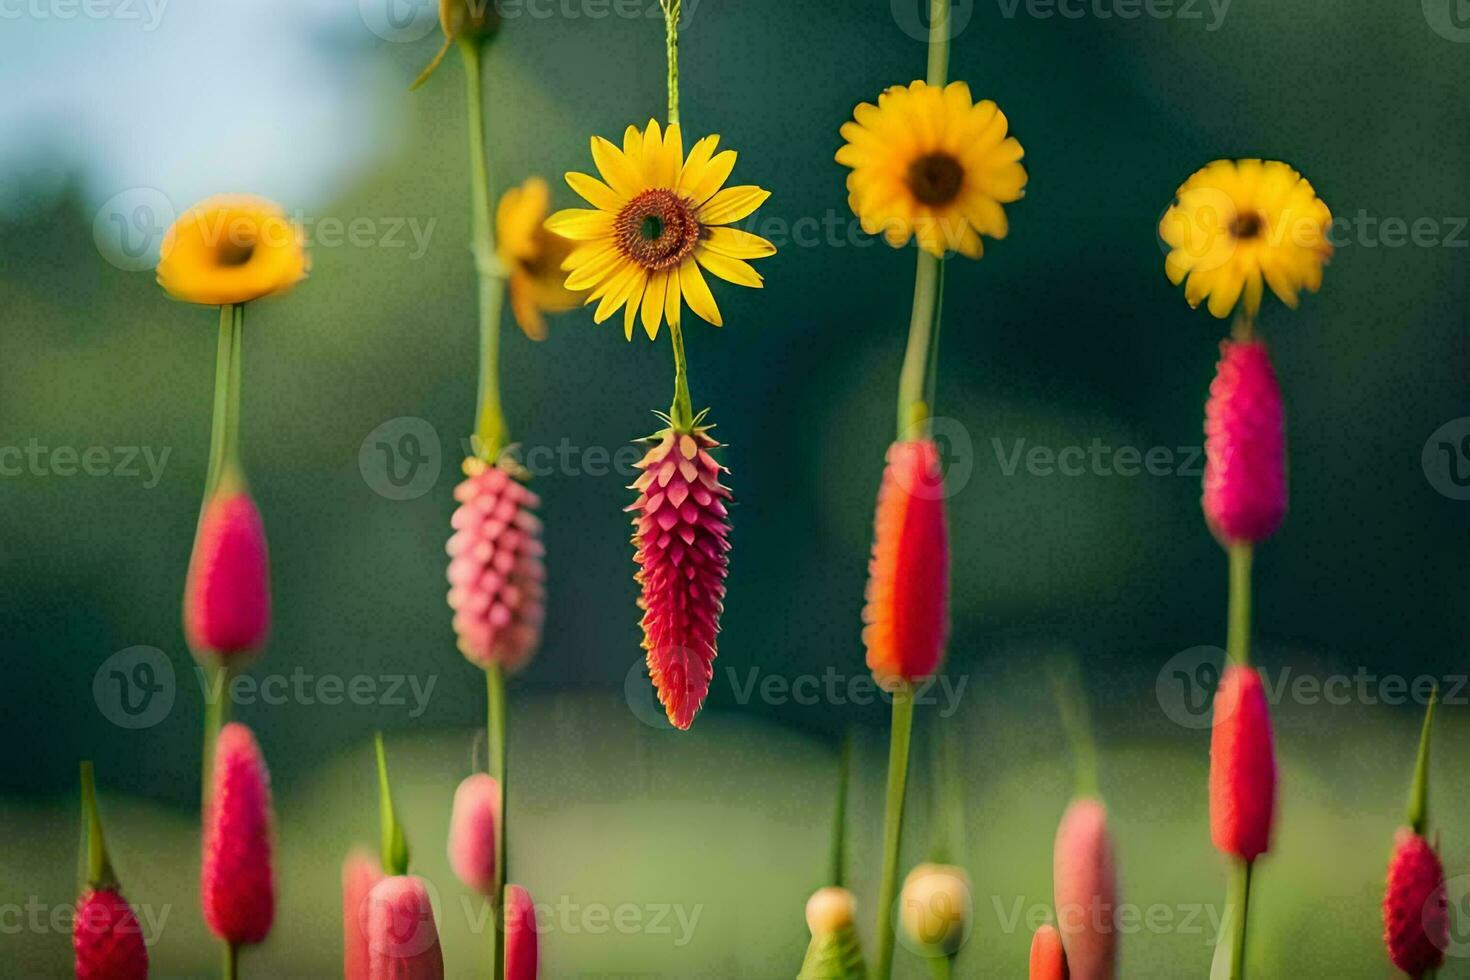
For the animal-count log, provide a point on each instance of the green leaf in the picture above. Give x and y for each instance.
(394, 845)
(834, 956)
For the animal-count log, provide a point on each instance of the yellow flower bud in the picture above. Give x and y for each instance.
(935, 909)
(828, 910)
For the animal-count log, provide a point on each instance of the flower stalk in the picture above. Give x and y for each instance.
(900, 734)
(496, 763)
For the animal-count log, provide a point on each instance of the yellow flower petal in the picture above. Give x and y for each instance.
(581, 224)
(697, 295)
(595, 192)
(738, 244)
(621, 174)
(653, 303)
(711, 178)
(728, 269)
(699, 158)
(732, 204)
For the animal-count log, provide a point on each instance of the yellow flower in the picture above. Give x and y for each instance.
(532, 257)
(1235, 223)
(231, 248)
(932, 164)
(654, 224)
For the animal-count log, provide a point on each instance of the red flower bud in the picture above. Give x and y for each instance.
(1242, 766)
(472, 831)
(1245, 446)
(520, 934)
(227, 595)
(107, 938)
(403, 940)
(1048, 961)
(237, 887)
(1416, 925)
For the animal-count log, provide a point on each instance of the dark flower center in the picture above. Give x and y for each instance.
(657, 229)
(234, 252)
(936, 178)
(1248, 225)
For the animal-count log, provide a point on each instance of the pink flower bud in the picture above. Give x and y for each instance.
(237, 888)
(360, 872)
(403, 941)
(1245, 446)
(227, 601)
(1085, 890)
(1416, 925)
(107, 939)
(1242, 766)
(520, 934)
(472, 830)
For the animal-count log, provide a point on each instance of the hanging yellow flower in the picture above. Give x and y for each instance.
(231, 248)
(658, 220)
(931, 163)
(1237, 223)
(532, 257)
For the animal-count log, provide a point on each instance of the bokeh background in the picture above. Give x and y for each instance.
(1066, 334)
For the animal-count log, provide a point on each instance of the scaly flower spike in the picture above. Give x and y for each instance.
(106, 936)
(1416, 925)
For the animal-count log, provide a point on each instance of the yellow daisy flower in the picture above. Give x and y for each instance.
(532, 257)
(231, 248)
(658, 219)
(1237, 223)
(932, 164)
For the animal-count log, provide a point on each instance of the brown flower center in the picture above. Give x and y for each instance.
(936, 178)
(657, 229)
(1248, 225)
(235, 251)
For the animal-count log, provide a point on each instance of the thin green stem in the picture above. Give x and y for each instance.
(900, 735)
(837, 873)
(231, 961)
(938, 41)
(496, 728)
(941, 966)
(1240, 885)
(671, 48)
(913, 411)
(1238, 635)
(231, 458)
(1419, 790)
(223, 374)
(682, 409)
(216, 713)
(491, 434)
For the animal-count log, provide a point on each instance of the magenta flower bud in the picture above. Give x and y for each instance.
(1085, 890)
(1416, 925)
(403, 941)
(227, 601)
(237, 886)
(472, 830)
(107, 939)
(360, 873)
(1245, 446)
(520, 934)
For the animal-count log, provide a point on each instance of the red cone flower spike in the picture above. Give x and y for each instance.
(1242, 766)
(1085, 891)
(681, 541)
(107, 938)
(227, 601)
(403, 940)
(497, 582)
(907, 611)
(360, 873)
(1245, 446)
(237, 887)
(472, 826)
(1416, 925)
(521, 953)
(1048, 962)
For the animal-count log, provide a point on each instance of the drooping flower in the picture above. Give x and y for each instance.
(532, 257)
(936, 909)
(472, 829)
(497, 583)
(1416, 925)
(834, 952)
(360, 873)
(237, 885)
(907, 611)
(1048, 960)
(231, 248)
(657, 218)
(1085, 890)
(681, 541)
(521, 952)
(931, 163)
(227, 600)
(1242, 766)
(403, 939)
(1236, 225)
(1245, 446)
(107, 939)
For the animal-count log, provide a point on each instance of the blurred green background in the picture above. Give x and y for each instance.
(1066, 334)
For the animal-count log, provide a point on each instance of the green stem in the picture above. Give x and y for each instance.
(671, 48)
(838, 867)
(99, 866)
(1419, 791)
(222, 377)
(490, 429)
(1238, 636)
(913, 410)
(681, 412)
(941, 967)
(1240, 884)
(216, 713)
(898, 770)
(231, 961)
(938, 41)
(1077, 723)
(495, 724)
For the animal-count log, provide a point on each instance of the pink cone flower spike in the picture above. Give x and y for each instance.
(1416, 924)
(1085, 890)
(237, 885)
(907, 611)
(360, 873)
(497, 582)
(681, 541)
(227, 601)
(107, 939)
(1242, 766)
(472, 828)
(521, 953)
(403, 940)
(1245, 446)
